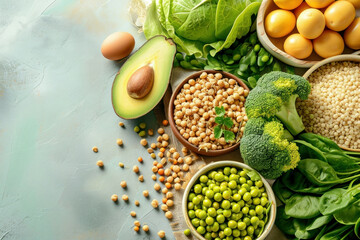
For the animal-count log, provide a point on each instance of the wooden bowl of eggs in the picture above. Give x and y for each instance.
(302, 33)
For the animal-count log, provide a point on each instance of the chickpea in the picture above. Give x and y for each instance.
(100, 163)
(95, 149)
(161, 234)
(146, 193)
(123, 184)
(114, 198)
(146, 228)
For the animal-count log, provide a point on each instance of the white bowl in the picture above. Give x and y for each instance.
(226, 163)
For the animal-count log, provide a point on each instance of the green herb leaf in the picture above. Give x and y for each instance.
(220, 111)
(218, 131)
(219, 120)
(229, 135)
(228, 122)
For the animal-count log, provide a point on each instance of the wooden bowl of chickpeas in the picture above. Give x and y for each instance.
(192, 112)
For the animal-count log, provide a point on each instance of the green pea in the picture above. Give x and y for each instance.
(226, 178)
(246, 186)
(256, 201)
(236, 233)
(202, 223)
(236, 197)
(257, 232)
(241, 203)
(209, 221)
(264, 195)
(227, 231)
(225, 204)
(233, 177)
(142, 133)
(227, 171)
(227, 213)
(257, 48)
(250, 230)
(223, 188)
(218, 197)
(207, 203)
(191, 196)
(187, 232)
(247, 221)
(221, 234)
(247, 196)
(243, 233)
(235, 208)
(190, 205)
(261, 216)
(208, 236)
(259, 210)
(249, 202)
(259, 184)
(242, 180)
(201, 230)
(264, 201)
(242, 191)
(197, 188)
(136, 129)
(220, 218)
(211, 212)
(216, 205)
(249, 182)
(265, 58)
(254, 221)
(196, 200)
(219, 177)
(201, 197)
(203, 179)
(202, 214)
(245, 210)
(215, 227)
(214, 234)
(261, 223)
(243, 173)
(241, 226)
(195, 222)
(191, 214)
(226, 194)
(252, 212)
(262, 189)
(247, 238)
(220, 211)
(232, 184)
(232, 224)
(209, 194)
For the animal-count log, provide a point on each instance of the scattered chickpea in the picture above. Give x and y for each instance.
(153, 145)
(167, 172)
(165, 137)
(146, 193)
(160, 131)
(135, 169)
(137, 223)
(123, 184)
(177, 186)
(121, 164)
(176, 168)
(170, 203)
(100, 163)
(154, 169)
(140, 159)
(114, 197)
(164, 190)
(153, 177)
(165, 122)
(161, 171)
(119, 142)
(154, 203)
(136, 228)
(162, 179)
(153, 155)
(150, 150)
(184, 150)
(181, 174)
(164, 200)
(177, 180)
(164, 207)
(188, 160)
(95, 149)
(121, 124)
(161, 234)
(159, 139)
(133, 214)
(169, 215)
(137, 203)
(143, 142)
(170, 179)
(164, 144)
(185, 167)
(157, 187)
(141, 178)
(125, 197)
(146, 228)
(168, 185)
(169, 195)
(151, 132)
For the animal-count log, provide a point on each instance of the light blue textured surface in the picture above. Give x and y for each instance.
(55, 105)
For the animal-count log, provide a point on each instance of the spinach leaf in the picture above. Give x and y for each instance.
(318, 172)
(348, 215)
(319, 222)
(308, 150)
(322, 143)
(357, 228)
(297, 182)
(334, 200)
(302, 206)
(284, 222)
(342, 163)
(335, 234)
(281, 191)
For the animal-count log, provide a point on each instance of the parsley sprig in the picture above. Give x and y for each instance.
(224, 123)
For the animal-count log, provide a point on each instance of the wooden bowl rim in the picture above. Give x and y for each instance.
(275, 51)
(177, 134)
(339, 58)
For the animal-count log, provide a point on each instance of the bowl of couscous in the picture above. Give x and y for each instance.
(333, 106)
(194, 114)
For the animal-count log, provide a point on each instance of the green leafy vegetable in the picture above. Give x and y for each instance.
(302, 206)
(224, 123)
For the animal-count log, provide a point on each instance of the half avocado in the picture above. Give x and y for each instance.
(143, 79)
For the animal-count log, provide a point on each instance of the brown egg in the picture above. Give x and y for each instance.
(352, 35)
(117, 45)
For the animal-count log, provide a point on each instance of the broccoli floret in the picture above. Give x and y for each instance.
(265, 146)
(275, 95)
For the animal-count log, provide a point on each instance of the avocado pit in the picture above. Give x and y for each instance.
(141, 82)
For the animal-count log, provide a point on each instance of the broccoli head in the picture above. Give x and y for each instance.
(266, 147)
(275, 95)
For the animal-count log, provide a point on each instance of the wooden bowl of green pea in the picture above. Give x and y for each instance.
(229, 199)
